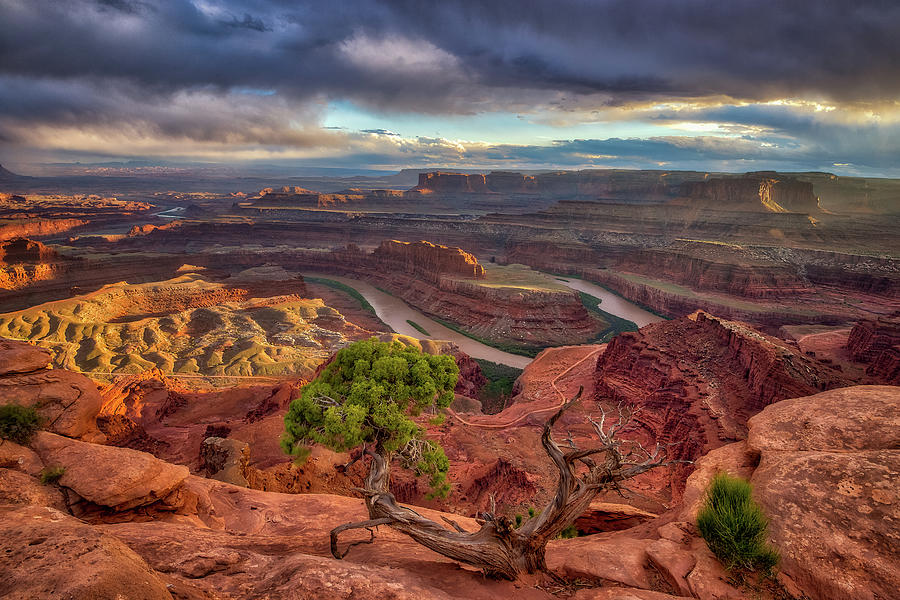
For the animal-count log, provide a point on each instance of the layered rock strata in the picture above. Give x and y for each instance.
(876, 343)
(696, 380)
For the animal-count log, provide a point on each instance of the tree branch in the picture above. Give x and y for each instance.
(359, 525)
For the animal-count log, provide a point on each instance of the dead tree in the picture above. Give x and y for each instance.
(499, 548)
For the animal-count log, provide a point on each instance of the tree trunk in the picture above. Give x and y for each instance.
(498, 548)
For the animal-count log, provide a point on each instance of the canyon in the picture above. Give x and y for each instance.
(163, 334)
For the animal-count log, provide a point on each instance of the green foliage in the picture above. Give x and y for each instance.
(367, 395)
(518, 520)
(52, 474)
(569, 532)
(496, 392)
(734, 525)
(337, 285)
(418, 328)
(531, 512)
(19, 423)
(438, 419)
(435, 464)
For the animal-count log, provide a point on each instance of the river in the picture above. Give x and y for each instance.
(395, 312)
(612, 303)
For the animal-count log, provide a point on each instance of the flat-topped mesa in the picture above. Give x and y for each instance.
(288, 197)
(453, 183)
(501, 182)
(23, 250)
(757, 192)
(427, 260)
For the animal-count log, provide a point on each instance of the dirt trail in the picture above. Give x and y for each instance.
(562, 400)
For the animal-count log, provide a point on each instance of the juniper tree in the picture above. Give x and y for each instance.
(366, 398)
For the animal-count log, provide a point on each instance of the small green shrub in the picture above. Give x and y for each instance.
(734, 526)
(19, 423)
(52, 474)
(569, 532)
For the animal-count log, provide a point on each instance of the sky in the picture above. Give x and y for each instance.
(502, 84)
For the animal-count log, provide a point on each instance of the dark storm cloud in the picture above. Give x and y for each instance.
(625, 49)
(180, 69)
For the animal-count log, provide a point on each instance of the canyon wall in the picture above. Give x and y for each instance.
(426, 260)
(24, 262)
(672, 303)
(696, 380)
(449, 284)
(767, 192)
(724, 271)
(876, 343)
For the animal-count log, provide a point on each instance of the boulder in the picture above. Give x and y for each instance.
(827, 480)
(225, 459)
(863, 417)
(69, 402)
(47, 554)
(20, 458)
(673, 562)
(734, 459)
(619, 559)
(708, 580)
(118, 478)
(17, 357)
(834, 518)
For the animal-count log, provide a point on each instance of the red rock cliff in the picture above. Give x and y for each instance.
(876, 342)
(428, 260)
(698, 379)
(758, 192)
(453, 183)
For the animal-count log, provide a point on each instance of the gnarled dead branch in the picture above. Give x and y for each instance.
(498, 547)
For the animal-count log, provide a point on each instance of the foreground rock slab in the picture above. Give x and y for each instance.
(47, 554)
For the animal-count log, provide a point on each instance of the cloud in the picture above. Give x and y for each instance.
(257, 73)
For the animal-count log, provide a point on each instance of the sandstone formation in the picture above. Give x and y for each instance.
(41, 214)
(696, 380)
(49, 554)
(510, 304)
(20, 488)
(117, 478)
(827, 480)
(820, 465)
(429, 261)
(68, 402)
(756, 192)
(876, 343)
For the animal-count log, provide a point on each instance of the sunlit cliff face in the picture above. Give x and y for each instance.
(380, 85)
